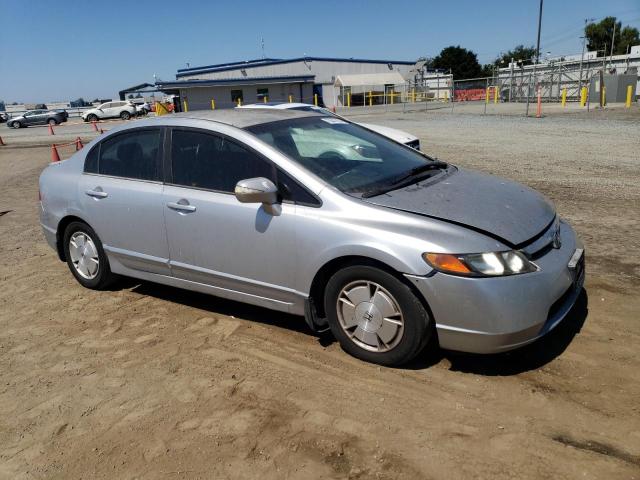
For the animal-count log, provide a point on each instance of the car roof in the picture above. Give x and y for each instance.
(276, 105)
(248, 117)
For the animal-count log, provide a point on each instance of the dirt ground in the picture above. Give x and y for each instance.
(151, 382)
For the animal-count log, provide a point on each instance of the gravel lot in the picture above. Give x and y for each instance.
(153, 382)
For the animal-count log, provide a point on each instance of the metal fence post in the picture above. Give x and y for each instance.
(486, 93)
(528, 94)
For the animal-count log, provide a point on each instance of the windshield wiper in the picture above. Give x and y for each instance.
(402, 180)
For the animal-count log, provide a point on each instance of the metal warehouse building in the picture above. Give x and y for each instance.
(269, 79)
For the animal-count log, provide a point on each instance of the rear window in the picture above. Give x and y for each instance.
(134, 155)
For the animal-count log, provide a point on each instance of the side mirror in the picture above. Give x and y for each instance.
(257, 190)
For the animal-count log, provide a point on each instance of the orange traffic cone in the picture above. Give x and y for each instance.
(51, 132)
(79, 144)
(2, 144)
(54, 153)
(95, 126)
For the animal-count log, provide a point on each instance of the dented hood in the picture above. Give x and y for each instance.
(495, 206)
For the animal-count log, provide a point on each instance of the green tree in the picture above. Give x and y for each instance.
(599, 36)
(523, 55)
(462, 62)
(629, 36)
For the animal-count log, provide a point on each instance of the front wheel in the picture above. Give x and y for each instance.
(85, 256)
(52, 122)
(125, 115)
(16, 125)
(92, 118)
(375, 316)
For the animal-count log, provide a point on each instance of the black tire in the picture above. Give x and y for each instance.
(125, 115)
(92, 118)
(52, 122)
(104, 277)
(417, 328)
(16, 125)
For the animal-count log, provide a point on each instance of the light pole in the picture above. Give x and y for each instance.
(537, 56)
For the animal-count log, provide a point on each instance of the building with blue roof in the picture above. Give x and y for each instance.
(304, 79)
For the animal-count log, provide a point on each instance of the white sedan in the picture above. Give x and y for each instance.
(392, 133)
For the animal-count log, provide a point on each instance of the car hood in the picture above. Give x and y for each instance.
(500, 208)
(392, 133)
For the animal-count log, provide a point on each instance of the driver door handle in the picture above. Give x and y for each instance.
(182, 207)
(97, 193)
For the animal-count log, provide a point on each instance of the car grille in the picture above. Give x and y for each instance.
(541, 245)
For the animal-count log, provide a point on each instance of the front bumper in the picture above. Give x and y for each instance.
(490, 315)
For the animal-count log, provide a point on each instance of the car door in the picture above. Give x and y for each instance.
(241, 249)
(120, 194)
(105, 110)
(30, 117)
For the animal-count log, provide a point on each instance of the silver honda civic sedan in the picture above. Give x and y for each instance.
(316, 216)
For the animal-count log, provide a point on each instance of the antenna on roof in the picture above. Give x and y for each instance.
(262, 45)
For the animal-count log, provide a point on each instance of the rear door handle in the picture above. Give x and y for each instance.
(97, 193)
(181, 207)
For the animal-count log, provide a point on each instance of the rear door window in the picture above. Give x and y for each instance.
(134, 155)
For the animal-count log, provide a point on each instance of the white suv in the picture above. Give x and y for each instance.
(125, 110)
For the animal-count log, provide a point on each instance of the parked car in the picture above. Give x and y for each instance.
(387, 247)
(37, 117)
(64, 113)
(394, 134)
(142, 107)
(3, 117)
(124, 109)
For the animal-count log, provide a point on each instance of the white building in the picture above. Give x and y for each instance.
(297, 79)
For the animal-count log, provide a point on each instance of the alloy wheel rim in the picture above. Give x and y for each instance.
(84, 255)
(370, 316)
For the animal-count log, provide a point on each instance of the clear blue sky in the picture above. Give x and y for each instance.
(62, 50)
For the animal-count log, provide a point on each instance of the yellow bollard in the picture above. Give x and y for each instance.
(349, 99)
(315, 99)
(264, 99)
(413, 95)
(446, 95)
(213, 104)
(583, 96)
(186, 106)
(495, 94)
(604, 96)
(290, 98)
(627, 103)
(370, 98)
(486, 96)
(564, 97)
(239, 102)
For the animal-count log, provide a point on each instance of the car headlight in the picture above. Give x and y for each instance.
(491, 264)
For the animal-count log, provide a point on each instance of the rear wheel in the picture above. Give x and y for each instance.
(125, 115)
(375, 316)
(85, 256)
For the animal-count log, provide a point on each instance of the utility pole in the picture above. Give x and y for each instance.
(613, 39)
(537, 57)
(584, 41)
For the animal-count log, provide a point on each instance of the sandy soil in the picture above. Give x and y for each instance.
(152, 382)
